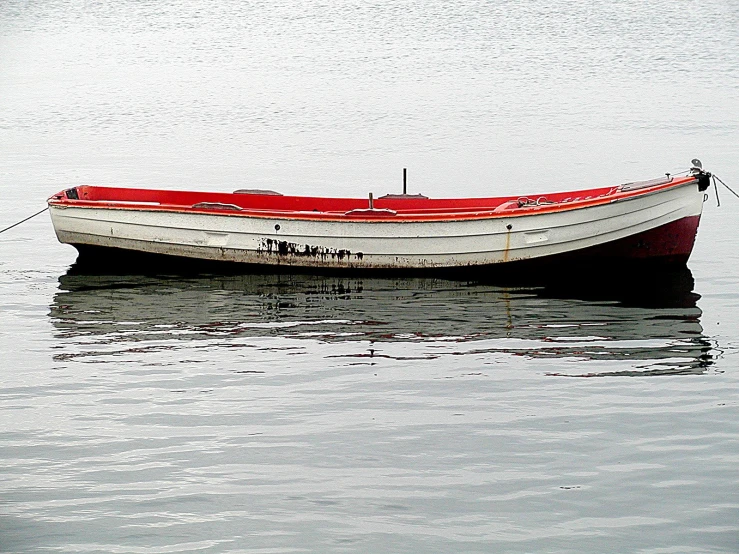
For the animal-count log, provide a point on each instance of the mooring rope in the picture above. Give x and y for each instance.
(24, 220)
(715, 189)
(727, 186)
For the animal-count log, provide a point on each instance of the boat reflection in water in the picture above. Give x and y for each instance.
(637, 327)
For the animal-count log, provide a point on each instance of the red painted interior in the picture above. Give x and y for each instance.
(306, 207)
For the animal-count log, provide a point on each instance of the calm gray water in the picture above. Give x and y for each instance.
(215, 413)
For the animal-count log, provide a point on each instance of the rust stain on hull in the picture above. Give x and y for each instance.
(506, 252)
(294, 250)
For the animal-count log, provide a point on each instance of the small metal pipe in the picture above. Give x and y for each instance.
(371, 201)
(405, 179)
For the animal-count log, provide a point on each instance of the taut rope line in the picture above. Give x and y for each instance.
(727, 186)
(24, 220)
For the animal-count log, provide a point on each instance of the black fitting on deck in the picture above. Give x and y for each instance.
(704, 180)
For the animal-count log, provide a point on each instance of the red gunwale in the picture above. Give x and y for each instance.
(335, 209)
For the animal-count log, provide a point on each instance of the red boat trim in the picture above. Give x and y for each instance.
(271, 206)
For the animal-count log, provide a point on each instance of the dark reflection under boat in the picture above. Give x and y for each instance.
(651, 322)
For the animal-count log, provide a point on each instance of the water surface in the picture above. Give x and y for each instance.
(255, 413)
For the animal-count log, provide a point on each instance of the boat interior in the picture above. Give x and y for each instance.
(257, 202)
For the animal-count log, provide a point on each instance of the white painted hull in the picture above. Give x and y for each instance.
(398, 244)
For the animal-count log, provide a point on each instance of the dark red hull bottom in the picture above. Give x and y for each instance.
(670, 244)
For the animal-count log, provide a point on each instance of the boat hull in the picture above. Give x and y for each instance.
(659, 226)
(612, 260)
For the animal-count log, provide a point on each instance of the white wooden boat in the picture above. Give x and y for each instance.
(654, 220)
